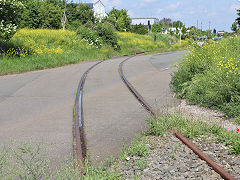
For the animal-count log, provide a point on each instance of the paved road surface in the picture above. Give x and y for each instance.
(111, 113)
(39, 105)
(150, 75)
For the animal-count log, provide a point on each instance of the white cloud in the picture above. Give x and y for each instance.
(175, 6)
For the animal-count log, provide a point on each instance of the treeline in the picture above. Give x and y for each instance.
(49, 14)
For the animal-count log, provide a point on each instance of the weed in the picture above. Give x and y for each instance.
(209, 76)
(176, 146)
(192, 129)
(141, 164)
(138, 147)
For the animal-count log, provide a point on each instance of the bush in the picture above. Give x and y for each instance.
(10, 10)
(136, 42)
(157, 28)
(107, 33)
(209, 76)
(140, 29)
(90, 36)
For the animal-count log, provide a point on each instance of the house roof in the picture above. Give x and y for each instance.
(145, 18)
(100, 2)
(92, 4)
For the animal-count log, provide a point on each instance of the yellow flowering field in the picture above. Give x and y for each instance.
(136, 42)
(210, 76)
(45, 41)
(33, 49)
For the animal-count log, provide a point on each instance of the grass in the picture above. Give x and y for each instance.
(141, 164)
(29, 160)
(138, 147)
(38, 49)
(193, 129)
(209, 77)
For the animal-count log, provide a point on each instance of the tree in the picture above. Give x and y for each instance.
(166, 21)
(120, 19)
(234, 27)
(177, 24)
(78, 14)
(42, 14)
(139, 29)
(10, 11)
(238, 19)
(30, 17)
(157, 28)
(51, 12)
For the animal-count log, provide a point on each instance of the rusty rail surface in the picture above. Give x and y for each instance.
(79, 130)
(204, 157)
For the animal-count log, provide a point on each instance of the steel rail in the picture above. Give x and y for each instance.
(79, 130)
(198, 152)
(80, 146)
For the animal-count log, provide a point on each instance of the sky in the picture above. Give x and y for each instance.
(220, 13)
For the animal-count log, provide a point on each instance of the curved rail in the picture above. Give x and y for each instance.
(79, 131)
(197, 151)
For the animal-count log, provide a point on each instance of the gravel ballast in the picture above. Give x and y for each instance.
(169, 158)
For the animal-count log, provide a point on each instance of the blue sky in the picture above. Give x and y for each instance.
(221, 13)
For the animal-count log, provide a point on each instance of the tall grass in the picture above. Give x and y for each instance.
(43, 48)
(132, 43)
(209, 76)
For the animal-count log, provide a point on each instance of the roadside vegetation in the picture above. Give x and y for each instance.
(34, 49)
(29, 40)
(209, 76)
(29, 160)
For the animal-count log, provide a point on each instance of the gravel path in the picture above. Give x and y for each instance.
(208, 115)
(169, 158)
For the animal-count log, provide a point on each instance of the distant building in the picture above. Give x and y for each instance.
(172, 29)
(144, 21)
(98, 9)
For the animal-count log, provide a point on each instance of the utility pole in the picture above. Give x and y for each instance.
(197, 23)
(209, 27)
(64, 18)
(180, 33)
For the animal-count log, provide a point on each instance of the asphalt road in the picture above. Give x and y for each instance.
(111, 112)
(39, 105)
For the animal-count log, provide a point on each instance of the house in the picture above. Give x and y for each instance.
(98, 9)
(144, 21)
(172, 29)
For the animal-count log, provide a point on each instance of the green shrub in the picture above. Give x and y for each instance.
(157, 28)
(90, 36)
(107, 33)
(209, 76)
(138, 147)
(140, 29)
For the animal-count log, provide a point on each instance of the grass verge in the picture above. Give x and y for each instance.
(29, 160)
(193, 129)
(209, 77)
(39, 49)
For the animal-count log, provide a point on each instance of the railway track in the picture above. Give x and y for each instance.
(80, 143)
(80, 146)
(224, 174)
